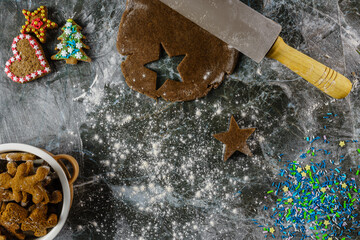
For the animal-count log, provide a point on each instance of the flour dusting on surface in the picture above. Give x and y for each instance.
(152, 169)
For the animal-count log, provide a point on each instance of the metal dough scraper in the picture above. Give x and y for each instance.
(256, 36)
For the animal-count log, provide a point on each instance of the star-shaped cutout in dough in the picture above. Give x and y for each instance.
(235, 139)
(165, 67)
(37, 22)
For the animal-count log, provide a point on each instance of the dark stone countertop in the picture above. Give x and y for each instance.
(152, 170)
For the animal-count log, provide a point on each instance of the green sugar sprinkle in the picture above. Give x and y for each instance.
(318, 202)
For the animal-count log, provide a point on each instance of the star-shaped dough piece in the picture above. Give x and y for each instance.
(235, 139)
(37, 22)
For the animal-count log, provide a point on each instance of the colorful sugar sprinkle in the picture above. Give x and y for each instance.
(314, 200)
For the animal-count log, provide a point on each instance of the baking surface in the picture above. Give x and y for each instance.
(152, 169)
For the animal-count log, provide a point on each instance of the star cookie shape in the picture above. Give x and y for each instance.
(37, 22)
(164, 73)
(235, 139)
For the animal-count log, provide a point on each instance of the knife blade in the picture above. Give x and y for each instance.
(256, 36)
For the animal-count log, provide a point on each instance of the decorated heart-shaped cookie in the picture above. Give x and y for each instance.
(28, 62)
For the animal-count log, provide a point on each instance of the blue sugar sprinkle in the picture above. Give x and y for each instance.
(310, 206)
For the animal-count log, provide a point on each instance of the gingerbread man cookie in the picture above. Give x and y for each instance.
(12, 216)
(22, 184)
(38, 222)
(17, 156)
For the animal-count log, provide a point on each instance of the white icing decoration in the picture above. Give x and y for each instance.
(59, 46)
(63, 53)
(68, 24)
(79, 45)
(78, 35)
(67, 31)
(78, 55)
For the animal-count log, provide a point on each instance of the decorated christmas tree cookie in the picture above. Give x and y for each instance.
(71, 46)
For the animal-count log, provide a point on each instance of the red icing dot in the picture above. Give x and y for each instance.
(38, 24)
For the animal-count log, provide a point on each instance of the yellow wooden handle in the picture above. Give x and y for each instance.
(327, 80)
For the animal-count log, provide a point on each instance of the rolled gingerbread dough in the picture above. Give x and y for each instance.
(148, 24)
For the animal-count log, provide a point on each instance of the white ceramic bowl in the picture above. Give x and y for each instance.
(64, 176)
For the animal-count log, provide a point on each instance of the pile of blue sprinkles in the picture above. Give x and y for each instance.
(314, 200)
